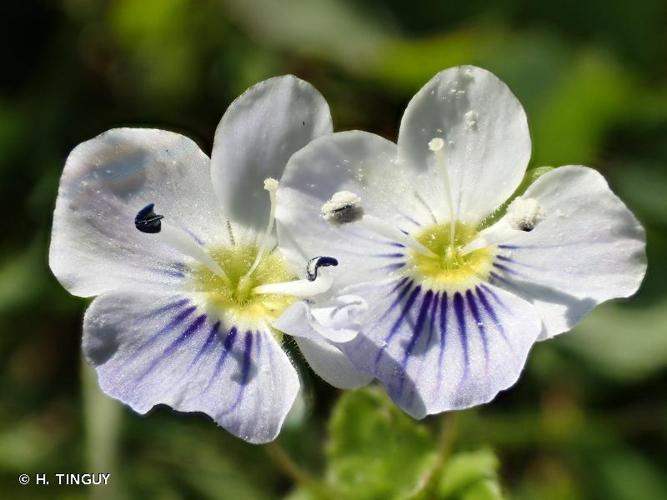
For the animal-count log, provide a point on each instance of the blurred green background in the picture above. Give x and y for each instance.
(588, 419)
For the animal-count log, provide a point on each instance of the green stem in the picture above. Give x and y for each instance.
(102, 418)
(429, 480)
(291, 469)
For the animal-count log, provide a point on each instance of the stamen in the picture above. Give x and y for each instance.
(297, 288)
(315, 263)
(437, 146)
(147, 221)
(271, 185)
(523, 214)
(345, 207)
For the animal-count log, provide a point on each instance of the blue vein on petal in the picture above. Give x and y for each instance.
(472, 305)
(443, 336)
(417, 330)
(207, 343)
(245, 370)
(459, 310)
(194, 327)
(164, 309)
(491, 312)
(226, 348)
(178, 319)
(495, 296)
(397, 324)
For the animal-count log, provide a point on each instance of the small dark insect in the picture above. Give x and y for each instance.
(315, 263)
(147, 221)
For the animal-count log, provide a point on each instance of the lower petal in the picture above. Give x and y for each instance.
(153, 349)
(435, 351)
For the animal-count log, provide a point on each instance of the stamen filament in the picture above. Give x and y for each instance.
(271, 185)
(297, 288)
(184, 243)
(380, 227)
(437, 146)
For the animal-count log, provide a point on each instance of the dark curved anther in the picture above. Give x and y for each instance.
(147, 221)
(315, 263)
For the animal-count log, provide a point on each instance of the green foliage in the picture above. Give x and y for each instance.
(375, 451)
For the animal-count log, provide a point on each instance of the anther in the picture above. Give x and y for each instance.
(315, 263)
(343, 207)
(524, 214)
(147, 221)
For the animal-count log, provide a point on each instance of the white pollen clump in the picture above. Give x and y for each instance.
(342, 208)
(470, 119)
(524, 214)
(436, 144)
(270, 184)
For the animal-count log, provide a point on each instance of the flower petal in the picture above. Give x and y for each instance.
(435, 351)
(257, 135)
(106, 181)
(158, 349)
(315, 342)
(363, 164)
(588, 249)
(487, 143)
(330, 363)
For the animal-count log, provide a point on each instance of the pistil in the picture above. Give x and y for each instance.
(437, 146)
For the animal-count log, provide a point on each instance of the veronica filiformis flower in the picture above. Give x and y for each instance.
(180, 251)
(454, 301)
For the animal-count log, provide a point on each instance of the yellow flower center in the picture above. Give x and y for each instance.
(232, 299)
(448, 270)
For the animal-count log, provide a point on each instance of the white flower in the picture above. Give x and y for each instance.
(178, 251)
(453, 304)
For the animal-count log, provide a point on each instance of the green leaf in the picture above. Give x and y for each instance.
(375, 450)
(471, 476)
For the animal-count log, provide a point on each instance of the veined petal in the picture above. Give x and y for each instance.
(365, 165)
(107, 180)
(487, 143)
(257, 135)
(158, 349)
(435, 351)
(588, 249)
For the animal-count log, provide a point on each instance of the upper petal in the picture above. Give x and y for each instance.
(364, 164)
(106, 181)
(259, 132)
(487, 143)
(589, 248)
(164, 349)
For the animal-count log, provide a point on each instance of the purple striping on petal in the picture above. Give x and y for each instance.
(459, 310)
(495, 297)
(173, 273)
(393, 267)
(506, 269)
(509, 247)
(396, 244)
(390, 255)
(501, 279)
(245, 370)
(189, 332)
(419, 326)
(178, 319)
(472, 304)
(397, 324)
(207, 343)
(443, 337)
(491, 311)
(505, 258)
(403, 287)
(174, 305)
(226, 348)
(410, 219)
